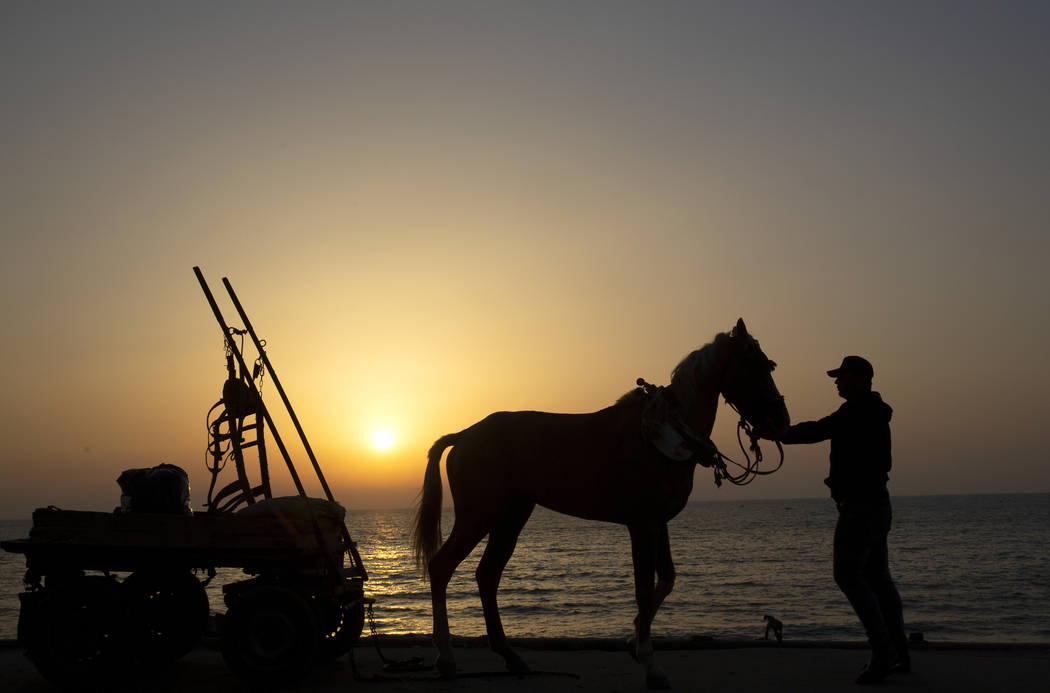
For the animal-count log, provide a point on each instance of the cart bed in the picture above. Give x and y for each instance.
(135, 541)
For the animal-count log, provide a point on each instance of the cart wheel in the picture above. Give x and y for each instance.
(169, 611)
(340, 629)
(269, 636)
(75, 633)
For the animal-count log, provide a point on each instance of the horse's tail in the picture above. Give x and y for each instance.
(426, 533)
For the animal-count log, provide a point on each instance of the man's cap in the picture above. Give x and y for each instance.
(855, 365)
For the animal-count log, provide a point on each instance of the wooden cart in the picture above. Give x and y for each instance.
(114, 595)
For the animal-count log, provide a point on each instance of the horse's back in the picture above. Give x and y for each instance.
(587, 465)
(535, 439)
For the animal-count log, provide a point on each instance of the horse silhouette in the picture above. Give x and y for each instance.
(597, 466)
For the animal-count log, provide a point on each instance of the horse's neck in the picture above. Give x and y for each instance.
(701, 415)
(701, 398)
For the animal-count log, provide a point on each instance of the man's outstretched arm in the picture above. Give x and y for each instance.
(810, 431)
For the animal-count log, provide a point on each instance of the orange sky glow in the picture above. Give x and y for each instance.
(436, 213)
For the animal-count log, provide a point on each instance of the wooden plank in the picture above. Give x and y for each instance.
(218, 540)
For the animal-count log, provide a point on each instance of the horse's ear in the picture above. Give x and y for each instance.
(740, 331)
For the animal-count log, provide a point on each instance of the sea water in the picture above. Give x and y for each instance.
(969, 569)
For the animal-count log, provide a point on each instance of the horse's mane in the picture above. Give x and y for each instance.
(630, 396)
(683, 377)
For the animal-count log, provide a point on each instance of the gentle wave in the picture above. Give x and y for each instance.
(969, 568)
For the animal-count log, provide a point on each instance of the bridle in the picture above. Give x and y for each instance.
(749, 470)
(703, 451)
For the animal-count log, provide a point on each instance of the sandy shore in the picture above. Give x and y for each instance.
(604, 666)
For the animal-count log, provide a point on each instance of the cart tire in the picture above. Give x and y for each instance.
(75, 633)
(341, 630)
(269, 636)
(169, 612)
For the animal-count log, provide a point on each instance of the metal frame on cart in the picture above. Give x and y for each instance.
(247, 490)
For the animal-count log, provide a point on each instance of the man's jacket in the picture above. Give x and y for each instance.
(859, 431)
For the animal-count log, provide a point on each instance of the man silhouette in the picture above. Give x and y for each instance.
(860, 463)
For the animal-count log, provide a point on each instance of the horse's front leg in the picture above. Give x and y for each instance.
(665, 573)
(645, 541)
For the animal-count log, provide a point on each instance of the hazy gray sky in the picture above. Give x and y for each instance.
(437, 210)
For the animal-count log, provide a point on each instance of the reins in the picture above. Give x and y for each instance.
(750, 470)
(717, 460)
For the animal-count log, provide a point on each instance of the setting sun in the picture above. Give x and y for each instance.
(383, 439)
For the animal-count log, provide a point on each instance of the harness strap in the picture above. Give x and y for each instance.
(665, 430)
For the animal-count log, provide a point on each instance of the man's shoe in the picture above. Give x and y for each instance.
(901, 664)
(873, 672)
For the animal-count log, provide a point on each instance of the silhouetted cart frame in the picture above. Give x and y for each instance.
(84, 625)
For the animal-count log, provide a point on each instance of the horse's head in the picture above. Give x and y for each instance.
(747, 384)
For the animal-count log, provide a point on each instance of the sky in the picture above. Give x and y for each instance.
(432, 211)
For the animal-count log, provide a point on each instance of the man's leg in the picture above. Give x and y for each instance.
(877, 573)
(856, 534)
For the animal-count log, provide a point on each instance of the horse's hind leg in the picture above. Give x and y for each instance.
(502, 539)
(461, 541)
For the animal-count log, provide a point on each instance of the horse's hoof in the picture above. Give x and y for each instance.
(632, 647)
(446, 668)
(515, 664)
(656, 679)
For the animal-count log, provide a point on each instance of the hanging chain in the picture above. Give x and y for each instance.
(259, 369)
(409, 664)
